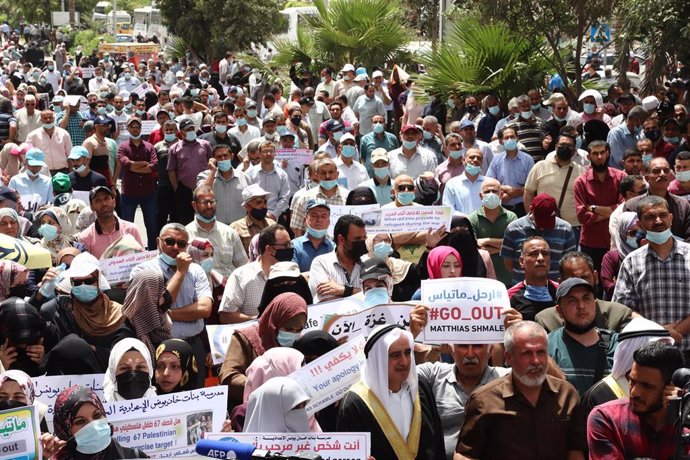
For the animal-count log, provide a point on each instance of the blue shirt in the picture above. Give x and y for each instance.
(382, 192)
(463, 195)
(512, 172)
(620, 139)
(305, 251)
(41, 186)
(370, 142)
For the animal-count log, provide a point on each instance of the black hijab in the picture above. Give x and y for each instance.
(361, 196)
(463, 239)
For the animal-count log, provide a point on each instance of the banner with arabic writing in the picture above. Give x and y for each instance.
(464, 310)
(19, 434)
(362, 322)
(49, 387)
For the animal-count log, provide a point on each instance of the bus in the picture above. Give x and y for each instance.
(147, 21)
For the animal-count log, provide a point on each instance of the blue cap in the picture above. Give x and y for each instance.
(466, 124)
(317, 202)
(35, 157)
(78, 152)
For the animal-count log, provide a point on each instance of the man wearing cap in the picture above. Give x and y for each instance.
(253, 115)
(107, 228)
(31, 184)
(390, 402)
(411, 158)
(269, 127)
(522, 406)
(351, 172)
(377, 138)
(255, 204)
(99, 147)
(81, 177)
(625, 103)
(333, 131)
(541, 221)
(315, 241)
(226, 182)
(380, 183)
(28, 118)
(272, 179)
(343, 85)
(53, 141)
(462, 193)
(468, 133)
(186, 159)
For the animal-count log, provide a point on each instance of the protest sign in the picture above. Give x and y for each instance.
(49, 387)
(330, 446)
(20, 434)
(369, 214)
(31, 201)
(327, 378)
(295, 156)
(23, 252)
(87, 72)
(73, 100)
(147, 126)
(343, 306)
(363, 322)
(219, 338)
(395, 220)
(117, 269)
(140, 90)
(81, 195)
(464, 310)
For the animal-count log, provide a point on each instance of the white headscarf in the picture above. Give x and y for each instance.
(375, 376)
(271, 408)
(639, 331)
(110, 378)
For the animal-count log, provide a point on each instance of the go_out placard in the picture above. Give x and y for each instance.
(464, 310)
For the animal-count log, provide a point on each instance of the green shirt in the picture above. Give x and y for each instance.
(484, 228)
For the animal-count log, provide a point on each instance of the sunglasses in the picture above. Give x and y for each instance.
(172, 241)
(89, 281)
(405, 187)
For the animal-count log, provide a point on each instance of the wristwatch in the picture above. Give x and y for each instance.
(348, 290)
(593, 208)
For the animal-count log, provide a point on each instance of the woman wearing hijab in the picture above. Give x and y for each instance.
(201, 251)
(129, 372)
(176, 368)
(279, 325)
(146, 307)
(360, 196)
(10, 224)
(442, 262)
(65, 256)
(627, 240)
(405, 274)
(80, 422)
(13, 279)
(277, 407)
(17, 390)
(52, 227)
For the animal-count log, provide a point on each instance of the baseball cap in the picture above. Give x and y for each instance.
(78, 152)
(7, 193)
(376, 74)
(379, 154)
(186, 123)
(253, 191)
(317, 202)
(35, 157)
(373, 269)
(569, 284)
(96, 190)
(136, 120)
(61, 182)
(466, 124)
(101, 120)
(179, 73)
(333, 125)
(269, 119)
(626, 97)
(544, 211)
(347, 137)
(361, 77)
(348, 68)
(87, 126)
(408, 127)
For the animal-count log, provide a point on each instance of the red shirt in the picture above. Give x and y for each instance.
(677, 189)
(663, 149)
(136, 184)
(588, 191)
(156, 136)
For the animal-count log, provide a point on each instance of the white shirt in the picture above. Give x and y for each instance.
(354, 175)
(250, 134)
(463, 195)
(422, 160)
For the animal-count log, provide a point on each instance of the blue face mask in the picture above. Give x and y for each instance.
(251, 113)
(349, 151)
(102, 110)
(93, 437)
(287, 339)
(48, 125)
(578, 142)
(207, 264)
(672, 140)
(472, 170)
(203, 219)
(336, 135)
(427, 134)
(405, 198)
(495, 110)
(378, 128)
(85, 293)
(538, 293)
(167, 260)
(314, 233)
(221, 128)
(646, 158)
(225, 165)
(559, 119)
(683, 176)
(526, 115)
(282, 129)
(491, 201)
(455, 154)
(48, 232)
(328, 184)
(135, 138)
(536, 107)
(409, 144)
(382, 249)
(376, 296)
(589, 108)
(190, 135)
(170, 137)
(510, 144)
(241, 122)
(632, 242)
(659, 237)
(381, 173)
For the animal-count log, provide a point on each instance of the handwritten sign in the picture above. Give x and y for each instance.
(343, 306)
(327, 378)
(464, 310)
(395, 220)
(20, 433)
(148, 126)
(169, 425)
(330, 446)
(31, 201)
(295, 156)
(87, 72)
(49, 387)
(117, 269)
(364, 321)
(220, 335)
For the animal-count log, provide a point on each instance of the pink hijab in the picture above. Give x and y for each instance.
(436, 258)
(276, 362)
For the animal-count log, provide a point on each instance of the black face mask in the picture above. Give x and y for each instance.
(564, 152)
(133, 384)
(259, 213)
(652, 134)
(284, 255)
(471, 108)
(359, 248)
(577, 329)
(296, 120)
(93, 105)
(10, 404)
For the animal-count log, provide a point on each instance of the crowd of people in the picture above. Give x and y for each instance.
(577, 204)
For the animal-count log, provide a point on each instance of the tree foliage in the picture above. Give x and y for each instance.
(482, 58)
(212, 27)
(38, 11)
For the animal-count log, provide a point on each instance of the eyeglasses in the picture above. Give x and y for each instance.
(405, 187)
(90, 281)
(287, 245)
(207, 202)
(171, 242)
(661, 170)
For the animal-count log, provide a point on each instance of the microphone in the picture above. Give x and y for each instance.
(240, 451)
(681, 377)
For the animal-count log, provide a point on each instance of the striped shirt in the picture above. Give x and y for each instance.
(530, 135)
(244, 289)
(326, 268)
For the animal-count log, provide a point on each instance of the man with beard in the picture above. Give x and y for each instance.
(526, 414)
(597, 194)
(583, 352)
(637, 427)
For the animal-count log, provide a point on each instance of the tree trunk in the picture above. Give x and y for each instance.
(72, 15)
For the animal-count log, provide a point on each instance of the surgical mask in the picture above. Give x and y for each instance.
(526, 115)
(251, 113)
(495, 110)
(51, 68)
(170, 137)
(49, 232)
(225, 165)
(672, 140)
(190, 135)
(57, 109)
(510, 144)
(382, 249)
(318, 234)
(349, 151)
(207, 264)
(538, 293)
(48, 125)
(683, 176)
(381, 173)
(93, 437)
(31, 174)
(80, 169)
(409, 144)
(427, 134)
(536, 106)
(328, 184)
(472, 170)
(285, 254)
(109, 108)
(286, 339)
(455, 154)
(632, 242)
(378, 128)
(194, 92)
(405, 198)
(491, 201)
(376, 296)
(646, 158)
(140, 112)
(578, 142)
(135, 137)
(589, 108)
(36, 75)
(102, 111)
(85, 293)
(128, 76)
(133, 384)
(259, 213)
(282, 129)
(204, 219)
(167, 260)
(659, 237)
(241, 122)
(211, 97)
(559, 119)
(221, 128)
(637, 130)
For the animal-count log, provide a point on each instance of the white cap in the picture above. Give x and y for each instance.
(347, 137)
(650, 103)
(284, 269)
(595, 94)
(348, 68)
(179, 73)
(252, 191)
(361, 77)
(83, 265)
(377, 73)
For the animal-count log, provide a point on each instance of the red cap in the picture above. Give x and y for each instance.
(544, 211)
(21, 149)
(407, 128)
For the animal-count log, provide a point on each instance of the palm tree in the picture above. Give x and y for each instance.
(483, 58)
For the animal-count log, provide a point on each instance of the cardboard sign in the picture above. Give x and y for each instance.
(117, 269)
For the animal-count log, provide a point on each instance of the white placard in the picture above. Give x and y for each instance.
(81, 195)
(87, 72)
(73, 100)
(219, 336)
(295, 156)
(343, 306)
(368, 213)
(363, 322)
(31, 201)
(395, 220)
(20, 434)
(464, 310)
(117, 269)
(148, 126)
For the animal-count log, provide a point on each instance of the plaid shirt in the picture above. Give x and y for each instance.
(657, 289)
(74, 127)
